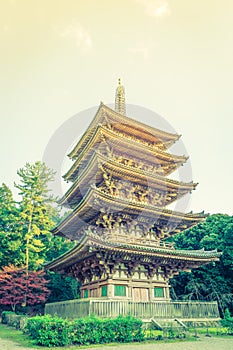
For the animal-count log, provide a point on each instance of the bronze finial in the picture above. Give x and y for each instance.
(120, 106)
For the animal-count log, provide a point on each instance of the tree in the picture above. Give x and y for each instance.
(21, 287)
(25, 226)
(62, 287)
(213, 281)
(25, 237)
(37, 213)
(10, 236)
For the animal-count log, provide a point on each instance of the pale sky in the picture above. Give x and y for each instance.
(175, 57)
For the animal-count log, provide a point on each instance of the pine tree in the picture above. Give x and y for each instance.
(37, 214)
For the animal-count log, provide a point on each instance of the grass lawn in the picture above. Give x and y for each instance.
(209, 331)
(190, 334)
(10, 333)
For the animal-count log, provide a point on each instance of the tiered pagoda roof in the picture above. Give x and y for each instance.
(91, 249)
(124, 125)
(92, 210)
(119, 192)
(98, 165)
(125, 149)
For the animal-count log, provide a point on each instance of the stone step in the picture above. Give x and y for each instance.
(175, 324)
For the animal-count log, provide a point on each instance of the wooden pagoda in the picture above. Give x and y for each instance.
(118, 195)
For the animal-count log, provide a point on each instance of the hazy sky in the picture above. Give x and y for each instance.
(175, 57)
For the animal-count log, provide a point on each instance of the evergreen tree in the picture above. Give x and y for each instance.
(38, 215)
(10, 237)
(25, 227)
(213, 281)
(35, 212)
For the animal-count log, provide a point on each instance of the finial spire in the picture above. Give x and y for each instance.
(120, 99)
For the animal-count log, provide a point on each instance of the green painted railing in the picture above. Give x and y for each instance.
(146, 310)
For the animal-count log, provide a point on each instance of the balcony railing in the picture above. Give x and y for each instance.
(145, 310)
(130, 239)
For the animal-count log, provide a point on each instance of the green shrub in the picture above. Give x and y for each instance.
(127, 329)
(14, 320)
(171, 333)
(48, 331)
(159, 337)
(4, 314)
(227, 321)
(23, 322)
(54, 331)
(92, 330)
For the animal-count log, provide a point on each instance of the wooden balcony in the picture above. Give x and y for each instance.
(147, 241)
(189, 310)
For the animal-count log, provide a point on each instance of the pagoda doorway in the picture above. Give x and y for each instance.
(140, 294)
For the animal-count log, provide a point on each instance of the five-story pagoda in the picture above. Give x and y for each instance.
(119, 219)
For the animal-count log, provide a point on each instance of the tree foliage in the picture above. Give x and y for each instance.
(36, 212)
(25, 225)
(227, 321)
(213, 281)
(21, 287)
(62, 287)
(10, 238)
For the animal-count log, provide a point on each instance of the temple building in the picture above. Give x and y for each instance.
(119, 195)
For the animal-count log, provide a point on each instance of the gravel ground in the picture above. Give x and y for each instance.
(202, 344)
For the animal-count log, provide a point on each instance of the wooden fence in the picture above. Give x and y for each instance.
(146, 310)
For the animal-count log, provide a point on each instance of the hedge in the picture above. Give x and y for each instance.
(4, 316)
(14, 320)
(54, 331)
